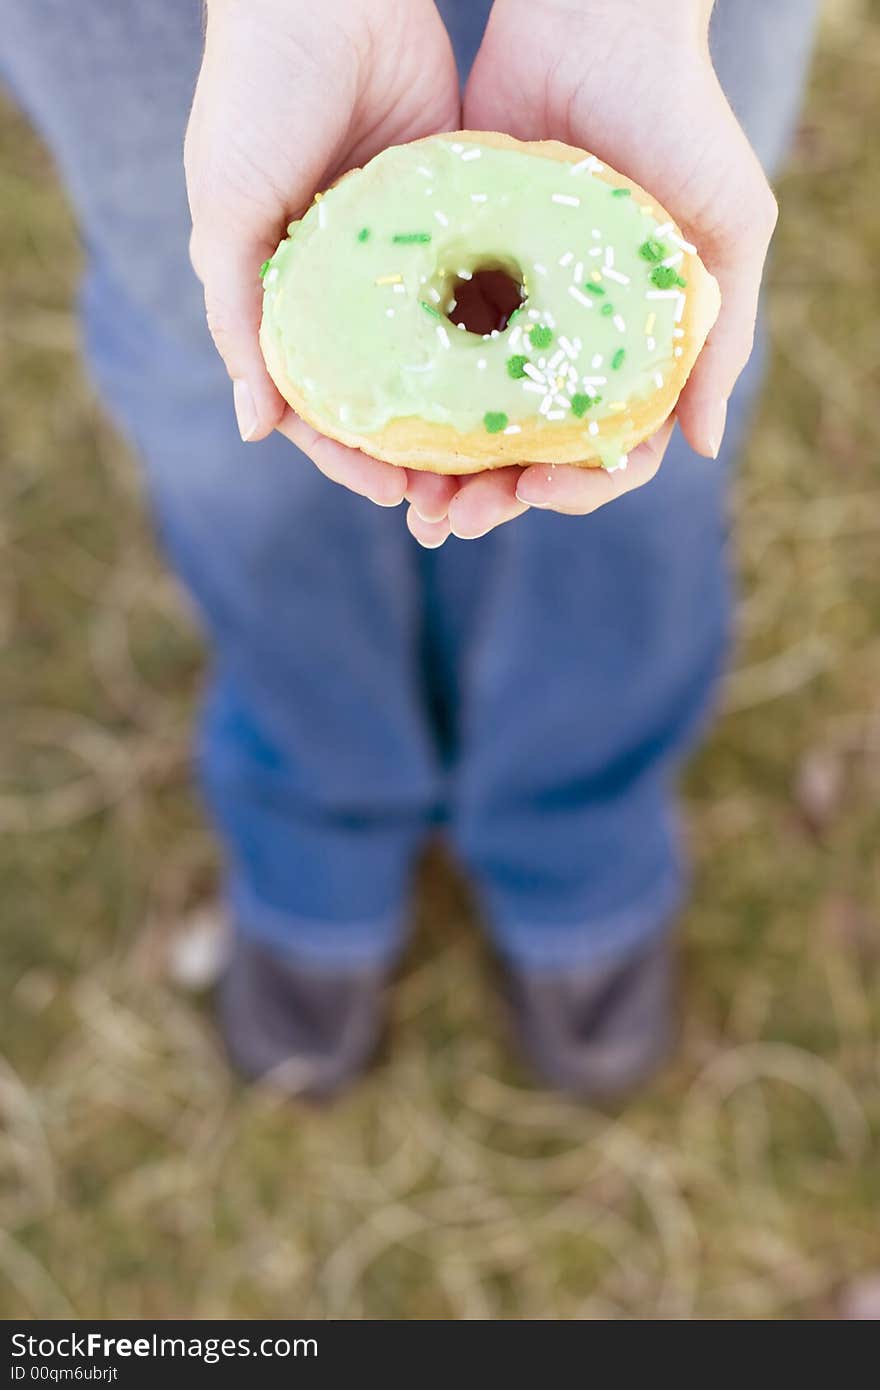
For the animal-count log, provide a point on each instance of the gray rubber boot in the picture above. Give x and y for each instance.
(597, 1032)
(300, 1029)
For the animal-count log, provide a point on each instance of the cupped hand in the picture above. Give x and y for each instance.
(632, 82)
(290, 95)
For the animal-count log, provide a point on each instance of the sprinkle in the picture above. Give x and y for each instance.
(482, 364)
(594, 289)
(591, 163)
(580, 404)
(533, 314)
(442, 219)
(465, 274)
(650, 344)
(678, 332)
(593, 428)
(534, 386)
(662, 294)
(649, 324)
(619, 323)
(471, 154)
(456, 149)
(516, 367)
(389, 280)
(539, 269)
(479, 198)
(461, 327)
(529, 369)
(652, 250)
(596, 234)
(621, 193)
(322, 214)
(435, 294)
(581, 298)
(263, 268)
(566, 259)
(515, 336)
(595, 251)
(513, 429)
(679, 308)
(429, 309)
(389, 313)
(685, 245)
(664, 230)
(566, 199)
(540, 337)
(271, 275)
(364, 234)
(411, 238)
(616, 275)
(618, 466)
(555, 414)
(609, 255)
(618, 359)
(568, 347)
(425, 172)
(597, 360)
(616, 407)
(400, 289)
(675, 259)
(678, 352)
(658, 380)
(545, 405)
(344, 413)
(495, 421)
(607, 310)
(443, 336)
(579, 271)
(564, 402)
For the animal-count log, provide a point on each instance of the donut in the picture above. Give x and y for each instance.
(610, 307)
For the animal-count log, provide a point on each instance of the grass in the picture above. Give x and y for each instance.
(137, 1179)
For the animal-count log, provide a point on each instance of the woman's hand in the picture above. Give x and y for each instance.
(631, 81)
(290, 95)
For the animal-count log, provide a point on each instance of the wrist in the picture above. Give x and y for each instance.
(678, 20)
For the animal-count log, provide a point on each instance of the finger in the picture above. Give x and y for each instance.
(430, 534)
(233, 305)
(430, 494)
(381, 482)
(484, 501)
(579, 491)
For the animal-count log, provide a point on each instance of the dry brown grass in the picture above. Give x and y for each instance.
(137, 1179)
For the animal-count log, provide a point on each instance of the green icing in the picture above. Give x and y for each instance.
(365, 353)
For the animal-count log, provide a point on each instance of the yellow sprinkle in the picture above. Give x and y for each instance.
(596, 276)
(560, 382)
(646, 210)
(649, 324)
(617, 406)
(390, 280)
(318, 197)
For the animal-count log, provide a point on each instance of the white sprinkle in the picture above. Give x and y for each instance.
(533, 314)
(399, 289)
(568, 347)
(619, 323)
(675, 259)
(482, 364)
(470, 154)
(595, 251)
(442, 219)
(539, 269)
(616, 275)
(679, 308)
(578, 344)
(555, 414)
(620, 465)
(545, 405)
(579, 271)
(564, 402)
(593, 428)
(566, 199)
(591, 163)
(597, 360)
(658, 379)
(685, 245)
(465, 274)
(271, 276)
(609, 255)
(515, 336)
(443, 336)
(581, 298)
(434, 294)
(462, 327)
(678, 332)
(651, 344)
(429, 192)
(549, 319)
(678, 352)
(389, 313)
(533, 386)
(479, 197)
(662, 231)
(344, 413)
(555, 360)
(596, 234)
(513, 429)
(496, 333)
(322, 214)
(456, 149)
(662, 294)
(425, 173)
(566, 259)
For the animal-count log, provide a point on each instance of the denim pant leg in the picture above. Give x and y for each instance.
(317, 757)
(589, 649)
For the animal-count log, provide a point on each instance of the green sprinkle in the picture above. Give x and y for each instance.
(621, 192)
(540, 336)
(495, 421)
(580, 404)
(618, 359)
(665, 277)
(364, 234)
(264, 267)
(652, 250)
(607, 310)
(592, 288)
(516, 366)
(429, 309)
(411, 238)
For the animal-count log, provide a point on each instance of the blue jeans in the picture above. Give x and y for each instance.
(533, 693)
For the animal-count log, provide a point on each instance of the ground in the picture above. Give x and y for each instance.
(137, 1179)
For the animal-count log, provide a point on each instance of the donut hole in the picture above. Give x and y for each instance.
(483, 302)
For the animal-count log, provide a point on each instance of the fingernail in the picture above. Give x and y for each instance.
(245, 410)
(716, 428)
